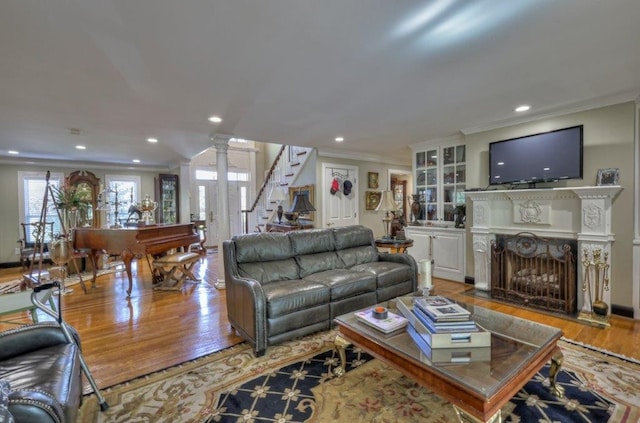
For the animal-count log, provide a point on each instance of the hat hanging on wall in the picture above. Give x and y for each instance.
(335, 186)
(346, 188)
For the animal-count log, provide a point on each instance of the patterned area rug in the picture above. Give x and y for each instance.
(293, 382)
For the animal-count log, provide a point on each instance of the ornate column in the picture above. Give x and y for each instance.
(482, 238)
(594, 250)
(221, 144)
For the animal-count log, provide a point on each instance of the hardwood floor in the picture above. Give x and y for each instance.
(123, 338)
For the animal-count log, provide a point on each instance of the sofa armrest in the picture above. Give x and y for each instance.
(35, 406)
(403, 259)
(34, 337)
(246, 302)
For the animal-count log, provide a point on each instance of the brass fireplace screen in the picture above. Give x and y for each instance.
(535, 272)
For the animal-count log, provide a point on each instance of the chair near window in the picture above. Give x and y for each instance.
(33, 244)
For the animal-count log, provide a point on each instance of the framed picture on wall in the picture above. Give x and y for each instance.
(609, 176)
(372, 179)
(372, 199)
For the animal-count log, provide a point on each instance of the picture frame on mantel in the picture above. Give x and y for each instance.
(608, 176)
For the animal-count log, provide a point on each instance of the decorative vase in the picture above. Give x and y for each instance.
(60, 253)
(415, 208)
(70, 219)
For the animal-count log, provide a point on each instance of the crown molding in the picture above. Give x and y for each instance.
(452, 139)
(362, 157)
(22, 161)
(555, 111)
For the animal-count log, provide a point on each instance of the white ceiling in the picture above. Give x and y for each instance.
(384, 74)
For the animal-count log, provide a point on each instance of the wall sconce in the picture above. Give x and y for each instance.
(388, 205)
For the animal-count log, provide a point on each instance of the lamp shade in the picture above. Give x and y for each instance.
(387, 203)
(301, 204)
(277, 194)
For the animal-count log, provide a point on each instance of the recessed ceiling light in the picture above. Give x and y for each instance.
(136, 160)
(80, 147)
(215, 119)
(13, 152)
(339, 139)
(522, 108)
(152, 140)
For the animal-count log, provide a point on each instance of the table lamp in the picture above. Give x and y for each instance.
(301, 205)
(388, 205)
(277, 196)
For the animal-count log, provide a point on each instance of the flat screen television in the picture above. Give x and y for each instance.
(546, 157)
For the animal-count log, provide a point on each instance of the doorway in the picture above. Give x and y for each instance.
(207, 207)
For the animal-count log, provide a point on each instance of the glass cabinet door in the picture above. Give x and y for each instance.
(169, 196)
(440, 182)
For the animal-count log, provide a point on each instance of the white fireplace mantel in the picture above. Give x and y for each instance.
(580, 213)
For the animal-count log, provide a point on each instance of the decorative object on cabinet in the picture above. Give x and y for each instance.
(372, 180)
(388, 206)
(372, 199)
(416, 209)
(87, 186)
(169, 197)
(460, 215)
(301, 206)
(608, 176)
(304, 189)
(277, 196)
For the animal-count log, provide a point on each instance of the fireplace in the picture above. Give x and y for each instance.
(535, 272)
(581, 215)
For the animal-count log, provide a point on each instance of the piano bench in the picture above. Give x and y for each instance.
(174, 269)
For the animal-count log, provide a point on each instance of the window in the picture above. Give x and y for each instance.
(32, 187)
(122, 192)
(212, 175)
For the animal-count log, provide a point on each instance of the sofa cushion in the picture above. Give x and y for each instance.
(285, 297)
(352, 236)
(386, 272)
(269, 271)
(319, 262)
(312, 241)
(256, 247)
(357, 255)
(345, 283)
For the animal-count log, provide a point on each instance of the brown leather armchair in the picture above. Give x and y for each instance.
(43, 370)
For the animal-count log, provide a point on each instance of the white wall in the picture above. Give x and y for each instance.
(608, 142)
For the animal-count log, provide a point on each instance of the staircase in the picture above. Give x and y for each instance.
(282, 174)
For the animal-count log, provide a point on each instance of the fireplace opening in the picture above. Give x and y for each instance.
(536, 272)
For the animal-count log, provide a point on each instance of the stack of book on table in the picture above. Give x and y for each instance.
(444, 330)
(382, 319)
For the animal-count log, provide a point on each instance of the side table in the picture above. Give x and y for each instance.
(394, 245)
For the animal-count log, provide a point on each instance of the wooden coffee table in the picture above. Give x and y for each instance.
(477, 390)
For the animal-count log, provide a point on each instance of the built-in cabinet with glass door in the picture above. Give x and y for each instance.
(168, 196)
(440, 183)
(439, 196)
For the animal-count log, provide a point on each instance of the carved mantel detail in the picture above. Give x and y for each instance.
(580, 213)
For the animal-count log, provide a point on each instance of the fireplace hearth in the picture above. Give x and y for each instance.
(536, 272)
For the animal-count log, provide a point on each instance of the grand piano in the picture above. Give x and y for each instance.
(133, 242)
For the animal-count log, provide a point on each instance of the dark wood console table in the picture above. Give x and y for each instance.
(285, 227)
